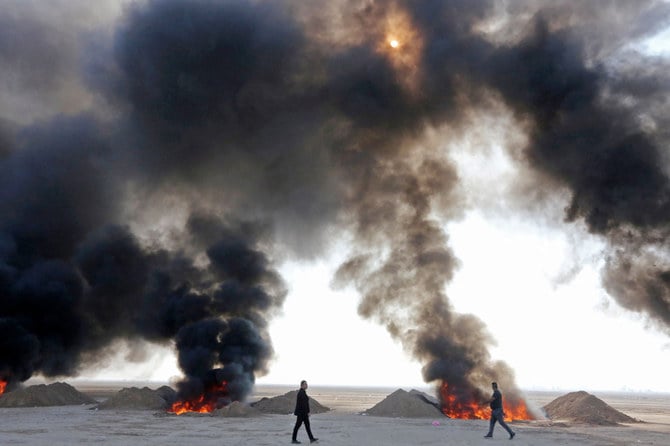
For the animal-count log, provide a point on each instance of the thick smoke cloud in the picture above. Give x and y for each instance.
(55, 188)
(611, 156)
(221, 99)
(42, 47)
(274, 130)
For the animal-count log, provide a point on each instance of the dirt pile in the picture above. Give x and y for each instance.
(134, 398)
(237, 410)
(430, 399)
(167, 393)
(402, 404)
(582, 407)
(56, 394)
(285, 404)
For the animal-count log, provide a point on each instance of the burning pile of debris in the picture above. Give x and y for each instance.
(582, 407)
(285, 404)
(403, 404)
(464, 401)
(165, 400)
(236, 409)
(56, 394)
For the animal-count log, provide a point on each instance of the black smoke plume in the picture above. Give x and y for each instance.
(211, 138)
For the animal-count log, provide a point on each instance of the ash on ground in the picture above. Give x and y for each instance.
(56, 394)
(582, 407)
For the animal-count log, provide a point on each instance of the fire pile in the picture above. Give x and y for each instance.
(473, 405)
(3, 386)
(214, 397)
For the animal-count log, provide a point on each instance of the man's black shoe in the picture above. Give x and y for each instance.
(512, 435)
(488, 436)
(313, 440)
(295, 442)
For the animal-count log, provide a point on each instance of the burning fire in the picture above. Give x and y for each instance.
(205, 403)
(473, 409)
(3, 386)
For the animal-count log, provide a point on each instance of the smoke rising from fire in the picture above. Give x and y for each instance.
(181, 148)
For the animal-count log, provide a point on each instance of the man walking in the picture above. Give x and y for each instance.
(302, 414)
(497, 413)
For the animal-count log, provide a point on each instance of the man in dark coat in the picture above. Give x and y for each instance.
(497, 413)
(302, 412)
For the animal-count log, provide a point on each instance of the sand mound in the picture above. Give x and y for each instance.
(402, 404)
(285, 404)
(430, 399)
(56, 394)
(134, 398)
(582, 407)
(167, 393)
(237, 410)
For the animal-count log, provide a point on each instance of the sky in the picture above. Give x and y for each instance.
(547, 333)
(557, 334)
(380, 193)
(545, 306)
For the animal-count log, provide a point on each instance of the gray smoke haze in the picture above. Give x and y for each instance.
(42, 51)
(261, 130)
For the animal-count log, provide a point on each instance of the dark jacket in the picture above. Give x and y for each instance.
(496, 400)
(301, 403)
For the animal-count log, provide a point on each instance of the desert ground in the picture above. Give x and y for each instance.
(343, 425)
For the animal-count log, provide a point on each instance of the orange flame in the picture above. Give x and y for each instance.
(472, 409)
(517, 411)
(205, 403)
(3, 386)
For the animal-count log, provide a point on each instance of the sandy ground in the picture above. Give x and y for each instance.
(67, 425)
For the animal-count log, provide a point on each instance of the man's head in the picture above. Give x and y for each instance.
(494, 385)
(303, 384)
